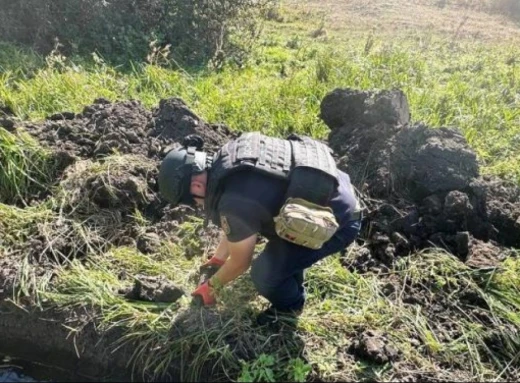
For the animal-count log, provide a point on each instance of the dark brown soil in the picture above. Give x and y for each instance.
(5, 118)
(153, 289)
(422, 185)
(124, 127)
(374, 347)
(174, 121)
(45, 337)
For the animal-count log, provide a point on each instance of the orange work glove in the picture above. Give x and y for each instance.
(209, 269)
(204, 294)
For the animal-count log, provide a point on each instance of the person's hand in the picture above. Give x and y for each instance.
(204, 294)
(209, 269)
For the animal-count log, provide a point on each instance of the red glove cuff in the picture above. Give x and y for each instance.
(204, 291)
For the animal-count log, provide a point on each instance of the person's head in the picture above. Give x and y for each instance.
(183, 176)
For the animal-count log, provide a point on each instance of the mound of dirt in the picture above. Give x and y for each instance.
(423, 184)
(124, 127)
(174, 120)
(108, 157)
(122, 183)
(102, 128)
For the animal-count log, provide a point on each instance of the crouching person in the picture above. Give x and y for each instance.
(288, 191)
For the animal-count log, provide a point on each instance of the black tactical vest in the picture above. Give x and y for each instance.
(306, 164)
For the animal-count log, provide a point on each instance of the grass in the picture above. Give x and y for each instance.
(468, 84)
(25, 167)
(339, 307)
(16, 220)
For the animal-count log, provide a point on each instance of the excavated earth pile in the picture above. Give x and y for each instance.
(422, 185)
(110, 153)
(125, 127)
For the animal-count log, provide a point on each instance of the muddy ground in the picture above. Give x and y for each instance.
(421, 188)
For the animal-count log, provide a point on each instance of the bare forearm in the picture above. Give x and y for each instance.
(230, 271)
(222, 251)
(241, 255)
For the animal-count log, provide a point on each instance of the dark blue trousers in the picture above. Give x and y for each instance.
(277, 272)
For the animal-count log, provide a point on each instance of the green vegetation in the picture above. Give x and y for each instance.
(25, 167)
(120, 30)
(340, 305)
(278, 89)
(471, 86)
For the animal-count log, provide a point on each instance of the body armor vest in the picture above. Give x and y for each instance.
(306, 164)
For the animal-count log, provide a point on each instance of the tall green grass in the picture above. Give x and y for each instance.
(467, 85)
(340, 305)
(25, 167)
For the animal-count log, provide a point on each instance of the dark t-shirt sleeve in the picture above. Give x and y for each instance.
(240, 217)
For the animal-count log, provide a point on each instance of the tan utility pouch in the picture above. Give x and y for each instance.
(305, 223)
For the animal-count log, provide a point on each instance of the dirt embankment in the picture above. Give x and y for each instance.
(422, 188)
(422, 185)
(110, 155)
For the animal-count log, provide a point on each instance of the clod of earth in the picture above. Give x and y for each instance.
(174, 120)
(149, 243)
(374, 347)
(153, 289)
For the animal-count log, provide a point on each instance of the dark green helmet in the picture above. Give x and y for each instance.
(175, 174)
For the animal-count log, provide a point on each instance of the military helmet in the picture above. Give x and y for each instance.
(175, 173)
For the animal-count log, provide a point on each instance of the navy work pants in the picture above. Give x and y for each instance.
(277, 272)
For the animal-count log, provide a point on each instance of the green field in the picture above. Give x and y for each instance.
(450, 80)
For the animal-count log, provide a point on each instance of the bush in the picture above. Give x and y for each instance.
(121, 30)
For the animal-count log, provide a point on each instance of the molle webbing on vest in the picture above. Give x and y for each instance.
(313, 154)
(269, 154)
(278, 158)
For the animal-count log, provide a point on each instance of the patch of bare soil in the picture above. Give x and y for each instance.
(124, 127)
